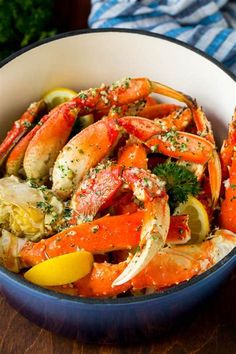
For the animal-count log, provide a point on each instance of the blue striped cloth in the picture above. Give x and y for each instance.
(209, 25)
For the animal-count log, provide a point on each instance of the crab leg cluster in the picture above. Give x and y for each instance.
(105, 167)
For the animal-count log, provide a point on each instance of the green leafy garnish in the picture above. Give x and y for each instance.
(180, 182)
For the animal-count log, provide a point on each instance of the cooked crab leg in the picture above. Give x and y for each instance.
(181, 145)
(169, 267)
(124, 92)
(147, 108)
(106, 234)
(159, 110)
(214, 166)
(178, 144)
(16, 157)
(81, 153)
(215, 176)
(95, 192)
(228, 147)
(20, 127)
(48, 141)
(102, 235)
(196, 259)
(144, 128)
(228, 206)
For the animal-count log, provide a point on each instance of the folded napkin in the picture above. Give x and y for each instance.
(209, 25)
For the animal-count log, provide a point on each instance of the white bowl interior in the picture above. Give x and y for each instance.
(88, 59)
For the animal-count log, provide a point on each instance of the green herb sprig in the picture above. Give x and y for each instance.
(180, 182)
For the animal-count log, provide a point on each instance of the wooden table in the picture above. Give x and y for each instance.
(213, 331)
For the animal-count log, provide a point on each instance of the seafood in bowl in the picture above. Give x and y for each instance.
(113, 193)
(122, 317)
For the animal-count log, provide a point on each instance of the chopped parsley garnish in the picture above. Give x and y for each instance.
(115, 109)
(55, 217)
(32, 183)
(180, 182)
(82, 95)
(154, 148)
(67, 213)
(26, 124)
(45, 207)
(95, 228)
(65, 171)
(123, 83)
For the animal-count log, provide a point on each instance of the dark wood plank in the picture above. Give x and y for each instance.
(213, 331)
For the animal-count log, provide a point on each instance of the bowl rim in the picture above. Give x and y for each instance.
(129, 299)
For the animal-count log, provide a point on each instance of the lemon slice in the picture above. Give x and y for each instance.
(61, 270)
(57, 96)
(198, 218)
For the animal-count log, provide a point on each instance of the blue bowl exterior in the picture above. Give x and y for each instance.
(111, 321)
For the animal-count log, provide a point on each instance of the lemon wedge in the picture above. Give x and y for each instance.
(57, 96)
(61, 270)
(198, 218)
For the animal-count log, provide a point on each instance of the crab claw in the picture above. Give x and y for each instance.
(20, 127)
(81, 153)
(153, 236)
(46, 144)
(155, 224)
